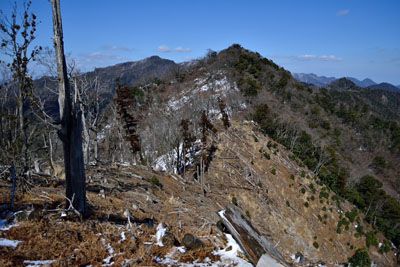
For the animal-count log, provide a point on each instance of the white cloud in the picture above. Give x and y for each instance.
(308, 57)
(329, 58)
(167, 49)
(163, 48)
(99, 56)
(88, 61)
(181, 49)
(116, 48)
(343, 12)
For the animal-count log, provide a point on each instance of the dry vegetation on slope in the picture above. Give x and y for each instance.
(281, 199)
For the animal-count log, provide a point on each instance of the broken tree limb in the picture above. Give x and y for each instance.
(13, 186)
(251, 241)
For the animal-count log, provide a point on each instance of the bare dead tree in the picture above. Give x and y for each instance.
(71, 123)
(16, 41)
(323, 158)
(188, 140)
(225, 117)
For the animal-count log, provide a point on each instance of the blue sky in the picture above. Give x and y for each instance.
(359, 38)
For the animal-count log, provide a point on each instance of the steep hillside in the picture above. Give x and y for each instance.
(345, 134)
(307, 222)
(314, 170)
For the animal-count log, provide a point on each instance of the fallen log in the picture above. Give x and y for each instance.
(251, 241)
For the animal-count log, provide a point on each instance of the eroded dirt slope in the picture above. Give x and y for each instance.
(281, 199)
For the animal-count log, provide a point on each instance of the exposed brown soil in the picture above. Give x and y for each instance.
(269, 191)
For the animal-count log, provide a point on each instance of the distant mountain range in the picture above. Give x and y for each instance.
(321, 81)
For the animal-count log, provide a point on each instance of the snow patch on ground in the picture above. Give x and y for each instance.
(38, 263)
(295, 259)
(229, 256)
(9, 243)
(221, 86)
(161, 230)
(5, 226)
(103, 133)
(217, 84)
(123, 237)
(175, 104)
(108, 261)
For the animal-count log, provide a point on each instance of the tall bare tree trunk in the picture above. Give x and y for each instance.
(23, 131)
(71, 123)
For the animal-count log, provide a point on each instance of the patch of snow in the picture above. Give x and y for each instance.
(5, 226)
(123, 237)
(102, 134)
(181, 249)
(9, 243)
(108, 261)
(231, 256)
(124, 163)
(160, 164)
(227, 258)
(204, 88)
(38, 263)
(295, 259)
(175, 104)
(161, 230)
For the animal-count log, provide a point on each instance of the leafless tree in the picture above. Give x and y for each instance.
(71, 122)
(17, 36)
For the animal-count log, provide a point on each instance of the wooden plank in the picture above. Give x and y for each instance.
(251, 241)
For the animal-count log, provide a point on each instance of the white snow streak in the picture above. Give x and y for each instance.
(9, 243)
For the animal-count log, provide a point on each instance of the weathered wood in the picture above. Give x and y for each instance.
(71, 123)
(13, 186)
(251, 241)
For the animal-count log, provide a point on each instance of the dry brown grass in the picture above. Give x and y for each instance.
(181, 205)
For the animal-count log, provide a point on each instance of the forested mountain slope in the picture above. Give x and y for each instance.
(313, 170)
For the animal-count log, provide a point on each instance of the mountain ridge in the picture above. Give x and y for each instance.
(322, 81)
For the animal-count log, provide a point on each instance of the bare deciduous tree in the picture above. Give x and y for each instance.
(16, 40)
(71, 123)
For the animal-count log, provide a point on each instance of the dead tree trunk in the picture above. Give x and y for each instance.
(71, 123)
(253, 243)
(13, 186)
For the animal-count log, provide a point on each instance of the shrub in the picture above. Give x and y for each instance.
(352, 215)
(154, 181)
(273, 171)
(248, 214)
(342, 222)
(385, 247)
(316, 245)
(371, 239)
(234, 201)
(379, 163)
(360, 259)
(324, 194)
